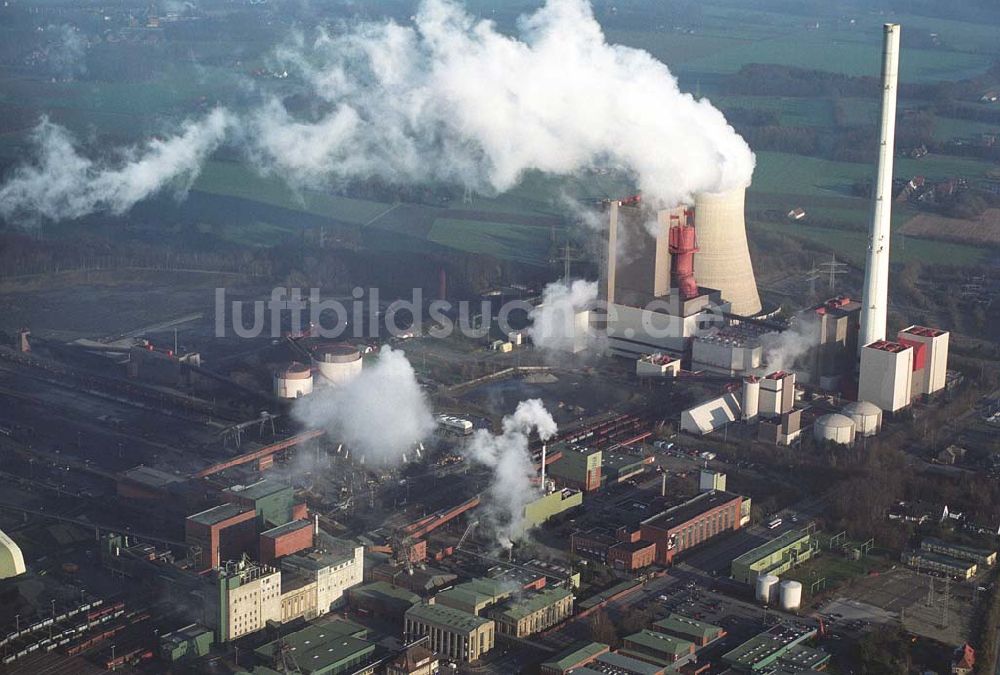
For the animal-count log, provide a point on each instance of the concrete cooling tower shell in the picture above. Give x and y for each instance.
(723, 259)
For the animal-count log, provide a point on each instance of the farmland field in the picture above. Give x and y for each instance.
(983, 230)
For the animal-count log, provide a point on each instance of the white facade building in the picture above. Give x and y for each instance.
(886, 375)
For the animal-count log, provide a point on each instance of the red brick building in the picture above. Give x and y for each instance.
(285, 540)
(691, 523)
(631, 556)
(222, 533)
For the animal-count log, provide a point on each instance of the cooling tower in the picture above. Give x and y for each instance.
(723, 259)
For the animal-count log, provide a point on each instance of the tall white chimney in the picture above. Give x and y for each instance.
(543, 466)
(875, 297)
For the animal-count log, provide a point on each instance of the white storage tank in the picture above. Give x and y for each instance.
(790, 595)
(751, 397)
(834, 428)
(767, 585)
(867, 417)
(293, 381)
(337, 363)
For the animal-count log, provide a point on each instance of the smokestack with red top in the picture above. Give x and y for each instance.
(683, 246)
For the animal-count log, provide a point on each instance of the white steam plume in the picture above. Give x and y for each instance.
(381, 414)
(64, 184)
(783, 349)
(507, 455)
(68, 52)
(556, 325)
(446, 98)
(451, 98)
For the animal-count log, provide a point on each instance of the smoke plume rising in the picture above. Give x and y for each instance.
(554, 324)
(62, 183)
(507, 455)
(381, 414)
(782, 350)
(444, 98)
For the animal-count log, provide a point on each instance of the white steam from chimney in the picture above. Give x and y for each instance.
(61, 183)
(507, 455)
(560, 323)
(444, 98)
(381, 413)
(782, 349)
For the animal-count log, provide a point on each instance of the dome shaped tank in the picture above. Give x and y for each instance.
(867, 417)
(834, 429)
(767, 585)
(790, 595)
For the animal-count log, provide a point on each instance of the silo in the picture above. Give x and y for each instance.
(723, 258)
(834, 428)
(790, 595)
(751, 397)
(867, 417)
(767, 585)
(338, 362)
(293, 381)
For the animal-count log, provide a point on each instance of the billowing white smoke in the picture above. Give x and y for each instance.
(557, 324)
(64, 184)
(381, 414)
(507, 455)
(782, 350)
(448, 98)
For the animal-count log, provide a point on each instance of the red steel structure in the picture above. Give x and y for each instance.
(683, 244)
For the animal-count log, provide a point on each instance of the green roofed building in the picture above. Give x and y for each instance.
(533, 613)
(454, 634)
(273, 501)
(620, 664)
(774, 557)
(323, 649)
(186, 643)
(474, 596)
(698, 632)
(656, 648)
(574, 658)
(383, 599)
(780, 645)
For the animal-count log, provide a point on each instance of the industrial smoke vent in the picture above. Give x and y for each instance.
(723, 260)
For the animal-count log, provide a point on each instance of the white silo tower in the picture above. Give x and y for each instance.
(766, 587)
(790, 595)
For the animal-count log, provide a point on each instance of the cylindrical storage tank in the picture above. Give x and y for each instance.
(337, 363)
(867, 417)
(767, 584)
(751, 397)
(294, 381)
(790, 595)
(834, 429)
(723, 259)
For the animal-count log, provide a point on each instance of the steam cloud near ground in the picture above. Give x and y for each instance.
(507, 455)
(782, 350)
(446, 98)
(553, 322)
(381, 414)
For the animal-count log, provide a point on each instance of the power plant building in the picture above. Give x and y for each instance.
(454, 634)
(694, 522)
(774, 557)
(835, 352)
(712, 415)
(578, 468)
(246, 597)
(524, 616)
(886, 377)
(221, 533)
(930, 358)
